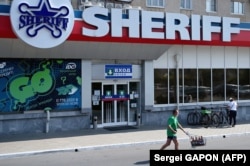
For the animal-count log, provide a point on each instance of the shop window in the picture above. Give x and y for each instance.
(186, 4)
(231, 83)
(244, 84)
(156, 3)
(172, 85)
(218, 85)
(204, 87)
(165, 82)
(190, 86)
(211, 5)
(237, 7)
(161, 86)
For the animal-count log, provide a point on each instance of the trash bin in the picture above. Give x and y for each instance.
(95, 122)
(138, 120)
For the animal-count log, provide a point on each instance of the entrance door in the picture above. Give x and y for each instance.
(115, 104)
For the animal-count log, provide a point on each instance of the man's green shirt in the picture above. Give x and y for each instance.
(173, 122)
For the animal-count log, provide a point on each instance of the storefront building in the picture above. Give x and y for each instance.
(62, 68)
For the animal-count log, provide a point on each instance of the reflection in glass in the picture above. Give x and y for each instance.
(204, 89)
(122, 105)
(218, 85)
(197, 86)
(231, 83)
(244, 84)
(108, 111)
(172, 85)
(190, 86)
(161, 86)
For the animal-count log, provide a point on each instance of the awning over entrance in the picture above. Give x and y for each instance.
(15, 48)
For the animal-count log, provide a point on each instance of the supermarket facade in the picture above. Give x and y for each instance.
(61, 67)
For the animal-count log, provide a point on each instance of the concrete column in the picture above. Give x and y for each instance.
(148, 85)
(177, 59)
(86, 85)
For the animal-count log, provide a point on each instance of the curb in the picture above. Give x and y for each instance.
(98, 147)
(76, 149)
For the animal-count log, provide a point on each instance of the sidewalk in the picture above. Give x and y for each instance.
(30, 144)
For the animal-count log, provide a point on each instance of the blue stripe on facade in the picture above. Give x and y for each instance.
(244, 25)
(5, 9)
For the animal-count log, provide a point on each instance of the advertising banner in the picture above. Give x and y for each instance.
(39, 84)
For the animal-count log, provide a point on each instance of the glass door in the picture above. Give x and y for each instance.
(115, 101)
(108, 104)
(122, 102)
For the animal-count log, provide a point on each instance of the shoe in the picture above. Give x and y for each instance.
(233, 125)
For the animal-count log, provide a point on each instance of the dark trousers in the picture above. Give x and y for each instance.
(232, 117)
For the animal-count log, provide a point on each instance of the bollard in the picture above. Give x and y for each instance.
(47, 111)
(95, 122)
(47, 121)
(138, 120)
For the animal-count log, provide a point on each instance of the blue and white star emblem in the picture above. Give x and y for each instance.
(37, 17)
(43, 16)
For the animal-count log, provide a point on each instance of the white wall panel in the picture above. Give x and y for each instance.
(174, 50)
(243, 57)
(149, 83)
(203, 57)
(98, 72)
(231, 54)
(217, 55)
(137, 71)
(161, 62)
(189, 59)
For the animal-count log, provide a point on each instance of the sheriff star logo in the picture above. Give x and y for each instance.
(42, 23)
(42, 16)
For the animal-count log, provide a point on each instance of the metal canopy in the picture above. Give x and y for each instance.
(15, 48)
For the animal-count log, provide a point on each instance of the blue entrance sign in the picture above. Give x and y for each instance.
(118, 71)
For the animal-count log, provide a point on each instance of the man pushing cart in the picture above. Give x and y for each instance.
(171, 131)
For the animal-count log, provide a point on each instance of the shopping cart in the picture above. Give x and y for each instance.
(196, 140)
